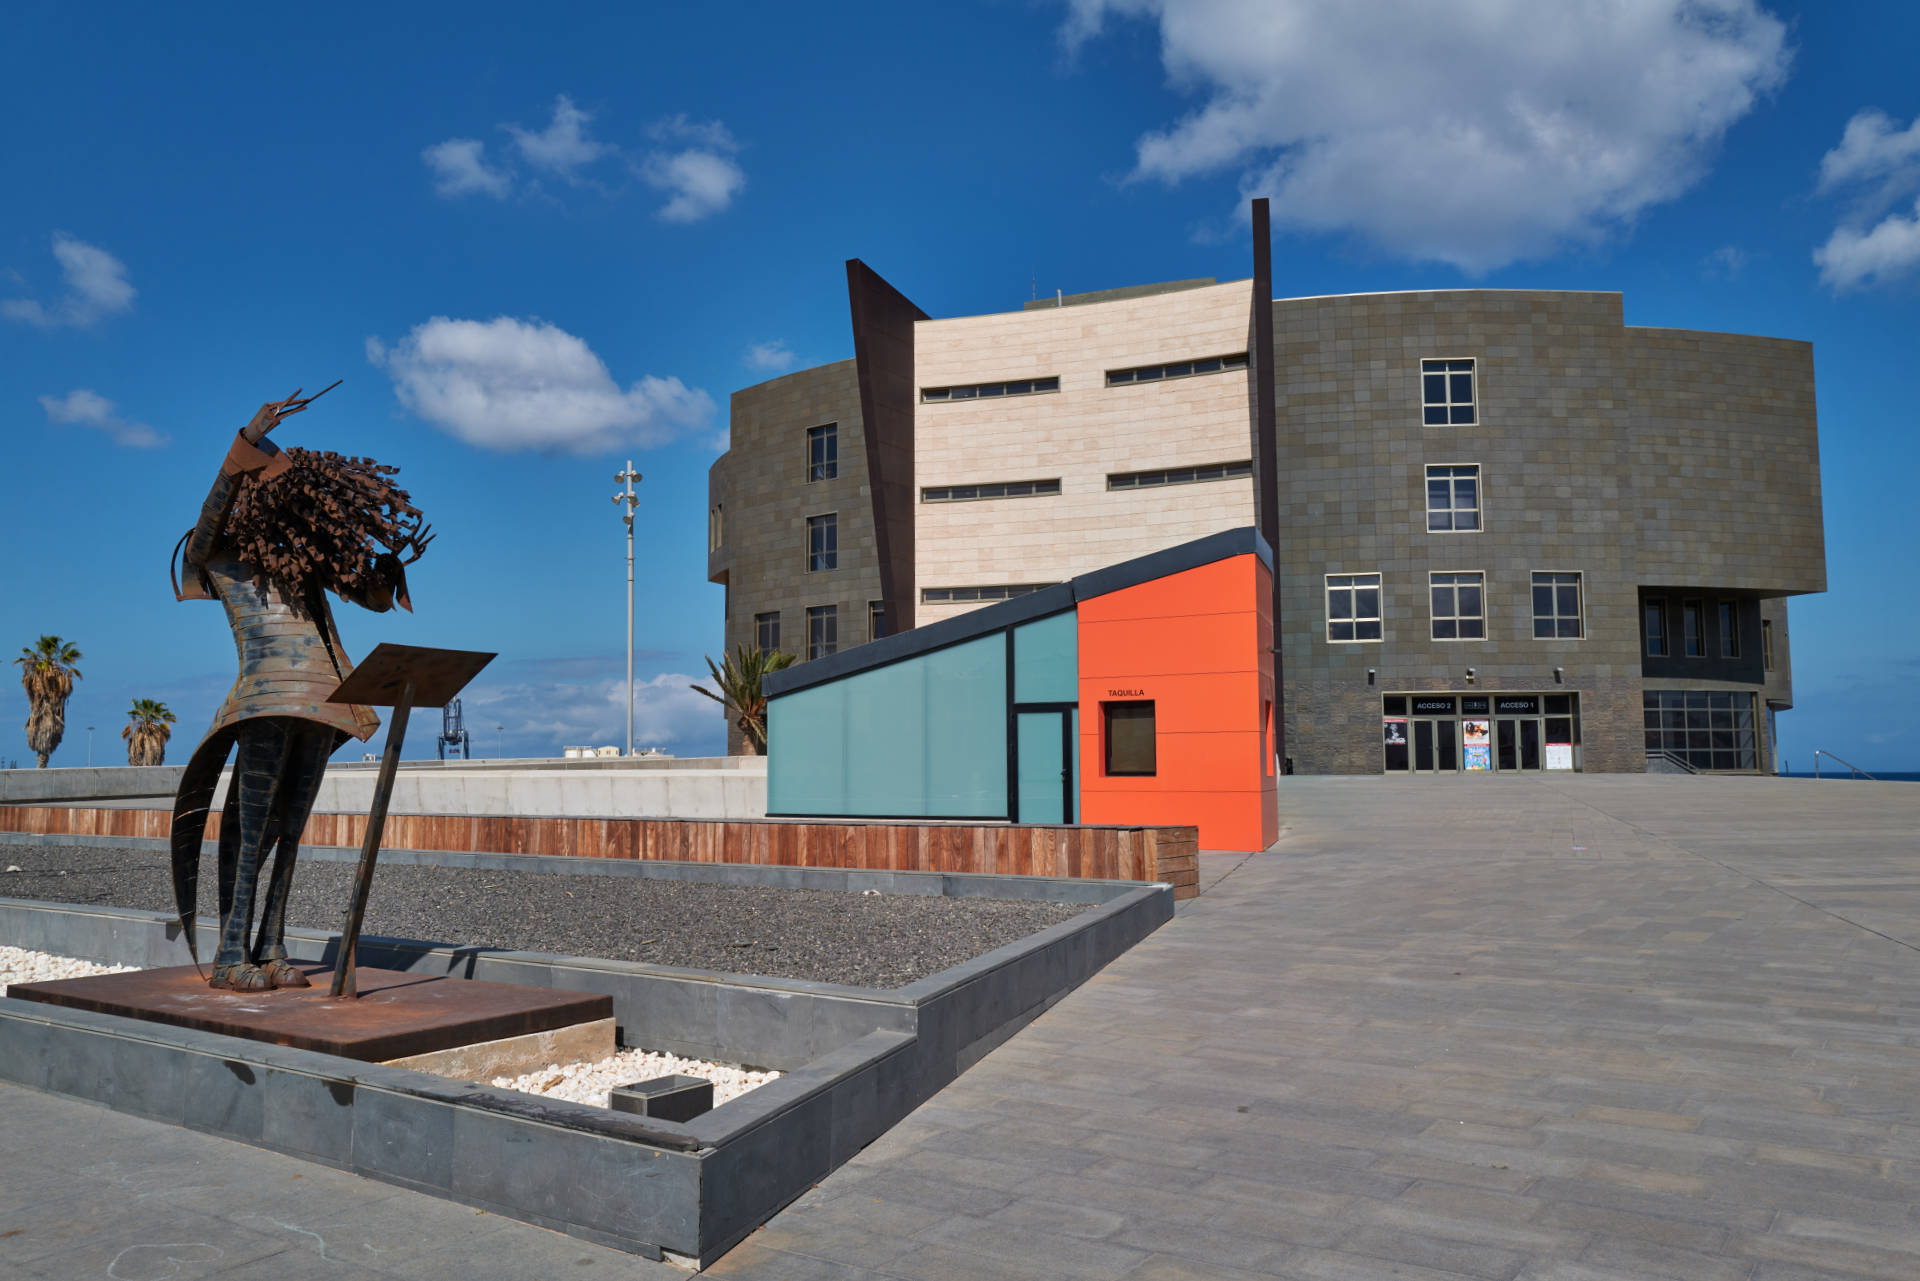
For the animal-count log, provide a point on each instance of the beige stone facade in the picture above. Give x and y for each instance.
(1078, 436)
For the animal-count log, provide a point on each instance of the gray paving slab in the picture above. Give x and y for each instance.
(1586, 1028)
(89, 1192)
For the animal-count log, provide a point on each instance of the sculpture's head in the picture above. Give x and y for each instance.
(330, 523)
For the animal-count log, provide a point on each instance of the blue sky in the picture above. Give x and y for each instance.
(537, 243)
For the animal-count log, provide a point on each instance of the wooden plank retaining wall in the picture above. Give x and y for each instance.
(1108, 853)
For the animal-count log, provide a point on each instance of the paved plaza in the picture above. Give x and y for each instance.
(1586, 1028)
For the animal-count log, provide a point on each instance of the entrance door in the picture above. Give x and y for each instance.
(1436, 747)
(1517, 744)
(1045, 776)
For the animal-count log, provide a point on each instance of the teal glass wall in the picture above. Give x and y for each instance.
(923, 737)
(1046, 660)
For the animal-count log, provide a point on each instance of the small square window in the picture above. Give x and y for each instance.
(1447, 393)
(823, 452)
(823, 630)
(823, 542)
(1353, 607)
(766, 631)
(1130, 739)
(1556, 606)
(1459, 605)
(1453, 499)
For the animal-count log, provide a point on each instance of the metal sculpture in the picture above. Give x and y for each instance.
(279, 529)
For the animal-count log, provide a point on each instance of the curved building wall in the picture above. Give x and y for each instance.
(1634, 458)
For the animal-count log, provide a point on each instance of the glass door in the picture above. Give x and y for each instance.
(1044, 776)
(1423, 747)
(1506, 745)
(1529, 745)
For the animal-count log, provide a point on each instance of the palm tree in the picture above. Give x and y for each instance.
(147, 732)
(47, 673)
(739, 685)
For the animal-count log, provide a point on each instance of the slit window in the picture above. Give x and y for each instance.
(989, 391)
(1353, 607)
(1656, 622)
(1729, 629)
(1447, 393)
(876, 619)
(1130, 739)
(1180, 475)
(956, 595)
(999, 489)
(1693, 629)
(1176, 369)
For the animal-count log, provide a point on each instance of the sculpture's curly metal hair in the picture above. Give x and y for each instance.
(327, 522)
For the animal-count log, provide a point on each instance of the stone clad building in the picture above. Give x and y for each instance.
(1510, 531)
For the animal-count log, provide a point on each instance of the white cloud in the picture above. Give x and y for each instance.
(567, 709)
(770, 357)
(96, 288)
(563, 146)
(460, 168)
(1475, 134)
(1870, 150)
(1881, 164)
(701, 178)
(1727, 260)
(511, 384)
(83, 408)
(1853, 259)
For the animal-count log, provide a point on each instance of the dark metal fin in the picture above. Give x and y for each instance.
(189, 827)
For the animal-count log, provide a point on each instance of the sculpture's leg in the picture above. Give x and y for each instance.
(257, 769)
(307, 762)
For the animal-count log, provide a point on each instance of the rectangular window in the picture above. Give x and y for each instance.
(823, 630)
(823, 452)
(1693, 629)
(1353, 607)
(1453, 499)
(1766, 642)
(1708, 729)
(1129, 735)
(1656, 619)
(1729, 629)
(823, 542)
(1179, 475)
(876, 619)
(987, 391)
(766, 631)
(1178, 369)
(1001, 489)
(1556, 606)
(1446, 393)
(950, 595)
(1459, 608)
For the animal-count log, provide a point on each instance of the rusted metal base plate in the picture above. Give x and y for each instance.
(396, 1014)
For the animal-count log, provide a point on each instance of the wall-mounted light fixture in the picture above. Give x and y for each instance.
(1369, 676)
(1559, 676)
(1469, 676)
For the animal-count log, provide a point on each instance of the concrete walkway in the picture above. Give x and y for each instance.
(1578, 1029)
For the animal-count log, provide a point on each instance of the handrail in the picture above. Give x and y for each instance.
(1857, 771)
(1672, 758)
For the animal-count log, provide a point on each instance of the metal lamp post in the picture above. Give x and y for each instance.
(89, 747)
(630, 501)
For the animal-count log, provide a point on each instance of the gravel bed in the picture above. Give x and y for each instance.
(591, 1083)
(18, 965)
(864, 939)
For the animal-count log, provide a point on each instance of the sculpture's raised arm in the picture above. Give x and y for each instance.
(250, 452)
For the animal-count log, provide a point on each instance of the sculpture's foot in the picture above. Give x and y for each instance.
(281, 973)
(240, 978)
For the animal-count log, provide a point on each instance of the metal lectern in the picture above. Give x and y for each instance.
(396, 676)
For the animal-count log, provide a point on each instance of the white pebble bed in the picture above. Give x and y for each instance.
(17, 965)
(590, 1083)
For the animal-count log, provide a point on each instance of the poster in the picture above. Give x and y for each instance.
(1478, 756)
(1476, 743)
(1476, 732)
(1559, 755)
